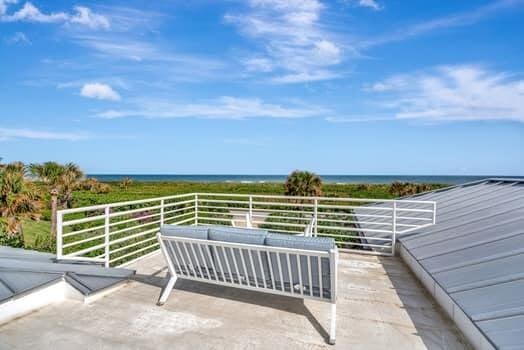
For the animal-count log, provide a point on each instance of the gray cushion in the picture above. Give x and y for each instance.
(243, 230)
(235, 236)
(290, 277)
(196, 232)
(324, 244)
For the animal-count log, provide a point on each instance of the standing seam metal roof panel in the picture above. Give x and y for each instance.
(475, 252)
(22, 271)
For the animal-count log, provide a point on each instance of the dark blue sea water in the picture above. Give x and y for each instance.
(340, 179)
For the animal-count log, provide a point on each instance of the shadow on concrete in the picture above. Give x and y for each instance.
(279, 302)
(430, 321)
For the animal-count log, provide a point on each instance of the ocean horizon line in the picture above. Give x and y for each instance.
(263, 178)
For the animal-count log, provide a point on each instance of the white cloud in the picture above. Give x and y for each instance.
(450, 21)
(86, 17)
(4, 4)
(30, 13)
(292, 39)
(370, 3)
(9, 133)
(18, 38)
(99, 91)
(358, 119)
(225, 107)
(302, 77)
(459, 93)
(392, 83)
(258, 64)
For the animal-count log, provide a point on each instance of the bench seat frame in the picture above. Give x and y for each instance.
(200, 248)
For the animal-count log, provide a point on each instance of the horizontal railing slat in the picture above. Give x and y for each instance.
(354, 222)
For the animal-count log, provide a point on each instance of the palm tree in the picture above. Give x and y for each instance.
(303, 183)
(126, 181)
(19, 199)
(62, 181)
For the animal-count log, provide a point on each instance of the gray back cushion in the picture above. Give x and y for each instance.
(288, 276)
(299, 242)
(243, 230)
(197, 232)
(236, 236)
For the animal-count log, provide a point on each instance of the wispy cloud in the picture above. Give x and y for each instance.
(454, 93)
(450, 21)
(99, 91)
(225, 107)
(372, 4)
(30, 13)
(294, 45)
(10, 133)
(4, 4)
(18, 38)
(86, 17)
(359, 118)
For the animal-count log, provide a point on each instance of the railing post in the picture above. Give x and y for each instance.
(59, 232)
(106, 235)
(161, 212)
(251, 207)
(196, 209)
(394, 228)
(434, 213)
(315, 216)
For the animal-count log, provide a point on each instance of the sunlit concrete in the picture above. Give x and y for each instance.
(380, 306)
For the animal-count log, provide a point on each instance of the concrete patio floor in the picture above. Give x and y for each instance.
(380, 306)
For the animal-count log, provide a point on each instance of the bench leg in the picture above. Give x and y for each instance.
(166, 291)
(333, 325)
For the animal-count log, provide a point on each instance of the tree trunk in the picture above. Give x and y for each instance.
(54, 206)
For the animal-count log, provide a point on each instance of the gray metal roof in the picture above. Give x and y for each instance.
(24, 270)
(475, 252)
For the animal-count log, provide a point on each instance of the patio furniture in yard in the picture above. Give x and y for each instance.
(253, 259)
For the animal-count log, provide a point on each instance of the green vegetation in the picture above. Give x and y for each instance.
(303, 184)
(19, 200)
(24, 221)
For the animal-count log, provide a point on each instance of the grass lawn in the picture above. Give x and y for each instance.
(141, 190)
(33, 229)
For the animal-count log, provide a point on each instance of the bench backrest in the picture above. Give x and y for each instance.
(295, 272)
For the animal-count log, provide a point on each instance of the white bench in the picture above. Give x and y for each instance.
(254, 260)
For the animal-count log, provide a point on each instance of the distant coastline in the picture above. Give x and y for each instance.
(334, 179)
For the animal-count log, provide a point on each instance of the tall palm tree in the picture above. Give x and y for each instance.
(62, 180)
(19, 199)
(303, 183)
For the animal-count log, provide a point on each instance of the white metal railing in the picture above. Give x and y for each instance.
(119, 233)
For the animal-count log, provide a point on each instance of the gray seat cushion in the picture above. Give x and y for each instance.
(196, 232)
(289, 277)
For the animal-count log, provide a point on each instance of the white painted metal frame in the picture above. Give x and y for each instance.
(120, 233)
(201, 251)
(131, 226)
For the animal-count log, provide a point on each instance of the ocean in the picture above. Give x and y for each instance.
(337, 179)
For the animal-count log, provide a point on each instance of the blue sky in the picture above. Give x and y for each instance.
(264, 86)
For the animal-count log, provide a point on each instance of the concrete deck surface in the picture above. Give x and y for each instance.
(380, 306)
